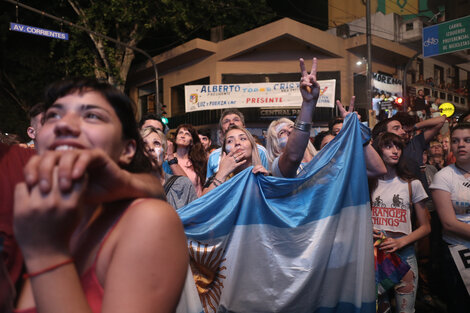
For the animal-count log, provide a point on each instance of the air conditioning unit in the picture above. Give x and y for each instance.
(411, 30)
(343, 31)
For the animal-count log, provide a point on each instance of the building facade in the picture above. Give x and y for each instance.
(265, 54)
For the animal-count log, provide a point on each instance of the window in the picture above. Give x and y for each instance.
(442, 95)
(147, 96)
(409, 26)
(419, 63)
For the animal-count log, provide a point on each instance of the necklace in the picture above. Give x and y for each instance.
(462, 169)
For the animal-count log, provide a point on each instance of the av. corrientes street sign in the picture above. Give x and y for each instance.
(38, 31)
(446, 37)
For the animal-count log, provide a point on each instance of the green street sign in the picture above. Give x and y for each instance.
(446, 37)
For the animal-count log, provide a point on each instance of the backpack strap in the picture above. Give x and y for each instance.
(169, 183)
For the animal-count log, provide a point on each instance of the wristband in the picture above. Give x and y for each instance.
(220, 182)
(302, 126)
(173, 161)
(48, 269)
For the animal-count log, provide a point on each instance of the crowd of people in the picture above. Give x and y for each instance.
(95, 207)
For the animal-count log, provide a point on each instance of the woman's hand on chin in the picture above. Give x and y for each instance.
(229, 162)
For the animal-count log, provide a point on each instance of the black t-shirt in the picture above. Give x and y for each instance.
(413, 158)
(420, 104)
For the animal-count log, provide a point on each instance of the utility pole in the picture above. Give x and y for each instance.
(369, 56)
(157, 104)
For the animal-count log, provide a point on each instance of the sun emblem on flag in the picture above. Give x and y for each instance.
(206, 265)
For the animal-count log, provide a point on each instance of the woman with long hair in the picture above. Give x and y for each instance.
(179, 189)
(451, 196)
(239, 151)
(393, 197)
(190, 155)
(85, 253)
(276, 140)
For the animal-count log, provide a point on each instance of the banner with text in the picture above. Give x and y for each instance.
(287, 94)
(386, 84)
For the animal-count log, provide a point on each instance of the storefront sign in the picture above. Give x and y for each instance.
(446, 37)
(447, 109)
(266, 95)
(38, 31)
(278, 112)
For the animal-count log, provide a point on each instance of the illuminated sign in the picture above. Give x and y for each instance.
(447, 109)
(38, 31)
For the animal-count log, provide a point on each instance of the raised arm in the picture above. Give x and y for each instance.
(290, 159)
(431, 127)
(374, 164)
(175, 167)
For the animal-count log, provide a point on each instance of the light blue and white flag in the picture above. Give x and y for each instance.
(267, 244)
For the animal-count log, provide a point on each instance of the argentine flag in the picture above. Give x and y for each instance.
(265, 244)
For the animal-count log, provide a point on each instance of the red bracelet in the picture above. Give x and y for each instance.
(48, 269)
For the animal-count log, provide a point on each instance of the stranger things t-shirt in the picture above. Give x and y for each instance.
(391, 204)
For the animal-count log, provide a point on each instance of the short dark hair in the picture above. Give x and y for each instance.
(36, 109)
(461, 125)
(205, 132)
(231, 111)
(150, 116)
(319, 138)
(464, 115)
(122, 105)
(406, 119)
(380, 128)
(333, 122)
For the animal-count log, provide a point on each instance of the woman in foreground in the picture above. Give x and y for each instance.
(394, 197)
(84, 250)
(451, 196)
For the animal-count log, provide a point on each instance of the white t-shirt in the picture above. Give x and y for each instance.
(391, 204)
(277, 172)
(451, 179)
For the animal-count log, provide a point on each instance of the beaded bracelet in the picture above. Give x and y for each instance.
(48, 269)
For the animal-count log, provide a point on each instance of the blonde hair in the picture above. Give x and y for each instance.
(255, 158)
(150, 129)
(272, 143)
